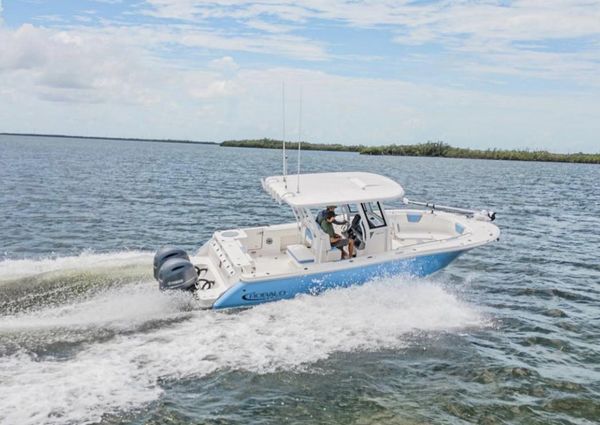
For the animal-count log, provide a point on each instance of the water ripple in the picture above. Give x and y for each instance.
(507, 334)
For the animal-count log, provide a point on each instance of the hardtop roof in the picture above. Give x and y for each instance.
(337, 188)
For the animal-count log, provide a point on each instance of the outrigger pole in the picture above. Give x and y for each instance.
(491, 215)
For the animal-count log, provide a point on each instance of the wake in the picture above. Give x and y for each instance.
(124, 372)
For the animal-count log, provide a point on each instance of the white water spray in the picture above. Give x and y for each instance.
(124, 372)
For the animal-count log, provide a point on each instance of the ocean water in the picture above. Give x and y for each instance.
(509, 333)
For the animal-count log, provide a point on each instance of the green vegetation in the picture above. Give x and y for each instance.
(278, 144)
(435, 149)
(444, 150)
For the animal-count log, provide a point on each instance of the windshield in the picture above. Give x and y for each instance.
(374, 214)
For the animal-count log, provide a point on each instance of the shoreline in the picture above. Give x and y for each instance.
(428, 149)
(131, 139)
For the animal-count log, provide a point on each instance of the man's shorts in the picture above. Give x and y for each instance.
(340, 244)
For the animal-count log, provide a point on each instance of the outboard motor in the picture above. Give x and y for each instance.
(165, 253)
(177, 273)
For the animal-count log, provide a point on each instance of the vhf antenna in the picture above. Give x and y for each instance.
(283, 129)
(299, 140)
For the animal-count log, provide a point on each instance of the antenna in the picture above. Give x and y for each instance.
(299, 140)
(283, 120)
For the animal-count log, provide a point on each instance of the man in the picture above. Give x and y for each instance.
(323, 214)
(336, 240)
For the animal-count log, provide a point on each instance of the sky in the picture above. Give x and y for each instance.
(481, 74)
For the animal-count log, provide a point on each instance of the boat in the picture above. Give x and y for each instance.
(249, 266)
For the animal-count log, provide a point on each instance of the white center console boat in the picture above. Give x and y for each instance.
(244, 267)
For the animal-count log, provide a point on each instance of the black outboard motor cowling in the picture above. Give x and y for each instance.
(165, 253)
(177, 273)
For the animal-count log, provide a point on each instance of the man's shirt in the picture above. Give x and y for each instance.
(328, 228)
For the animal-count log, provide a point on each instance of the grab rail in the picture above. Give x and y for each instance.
(479, 215)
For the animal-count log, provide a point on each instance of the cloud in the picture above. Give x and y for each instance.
(48, 19)
(479, 38)
(226, 64)
(198, 10)
(106, 82)
(75, 66)
(164, 36)
(522, 18)
(492, 34)
(109, 65)
(499, 37)
(21, 49)
(181, 9)
(277, 45)
(215, 89)
(268, 27)
(187, 75)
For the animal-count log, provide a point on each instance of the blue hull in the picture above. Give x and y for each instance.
(245, 294)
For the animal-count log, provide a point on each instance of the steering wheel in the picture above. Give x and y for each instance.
(345, 227)
(350, 226)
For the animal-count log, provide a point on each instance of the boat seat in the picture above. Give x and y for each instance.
(300, 254)
(331, 253)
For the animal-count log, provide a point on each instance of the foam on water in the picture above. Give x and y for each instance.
(11, 269)
(32, 285)
(117, 308)
(125, 372)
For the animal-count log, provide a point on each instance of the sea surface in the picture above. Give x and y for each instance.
(508, 333)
